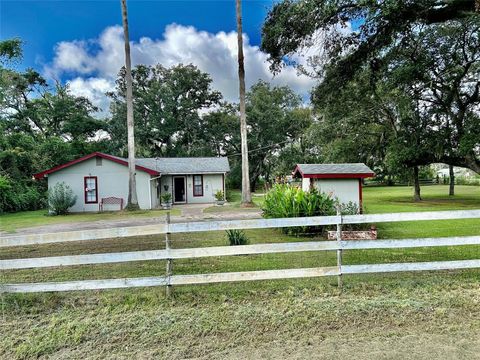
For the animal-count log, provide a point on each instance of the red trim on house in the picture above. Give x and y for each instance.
(193, 182)
(339, 176)
(85, 191)
(297, 169)
(89, 156)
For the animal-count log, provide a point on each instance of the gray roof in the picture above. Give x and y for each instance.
(190, 165)
(356, 168)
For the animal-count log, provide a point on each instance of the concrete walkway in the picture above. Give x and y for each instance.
(191, 212)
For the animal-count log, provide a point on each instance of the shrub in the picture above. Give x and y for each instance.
(352, 208)
(283, 201)
(18, 196)
(219, 195)
(166, 197)
(60, 199)
(237, 237)
(463, 180)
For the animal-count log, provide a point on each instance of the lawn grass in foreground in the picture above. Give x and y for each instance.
(415, 316)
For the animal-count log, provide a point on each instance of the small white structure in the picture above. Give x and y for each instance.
(98, 176)
(341, 181)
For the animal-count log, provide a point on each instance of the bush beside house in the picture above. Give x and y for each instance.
(60, 199)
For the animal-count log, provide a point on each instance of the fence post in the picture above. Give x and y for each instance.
(169, 289)
(339, 242)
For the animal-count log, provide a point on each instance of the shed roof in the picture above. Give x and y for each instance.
(157, 166)
(354, 170)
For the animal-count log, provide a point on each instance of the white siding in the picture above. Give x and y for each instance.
(305, 184)
(211, 184)
(345, 190)
(112, 180)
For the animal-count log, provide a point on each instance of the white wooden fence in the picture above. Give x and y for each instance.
(170, 254)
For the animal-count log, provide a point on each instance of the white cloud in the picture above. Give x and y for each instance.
(95, 63)
(94, 89)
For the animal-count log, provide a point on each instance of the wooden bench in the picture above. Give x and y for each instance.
(110, 201)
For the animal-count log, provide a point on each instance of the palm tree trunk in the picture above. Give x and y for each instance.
(246, 195)
(451, 190)
(132, 201)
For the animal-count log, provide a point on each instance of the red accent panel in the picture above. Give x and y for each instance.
(297, 170)
(89, 156)
(338, 176)
(85, 192)
(197, 195)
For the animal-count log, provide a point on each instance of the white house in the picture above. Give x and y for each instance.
(101, 179)
(342, 181)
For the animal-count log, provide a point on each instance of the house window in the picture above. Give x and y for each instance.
(99, 161)
(91, 190)
(197, 185)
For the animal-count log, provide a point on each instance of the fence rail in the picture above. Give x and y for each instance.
(101, 234)
(170, 254)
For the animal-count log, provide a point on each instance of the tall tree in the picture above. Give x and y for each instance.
(246, 194)
(132, 202)
(293, 25)
(168, 107)
(276, 121)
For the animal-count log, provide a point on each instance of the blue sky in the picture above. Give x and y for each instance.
(42, 24)
(79, 42)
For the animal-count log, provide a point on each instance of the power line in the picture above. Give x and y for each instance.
(260, 148)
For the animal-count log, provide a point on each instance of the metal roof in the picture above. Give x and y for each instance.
(157, 166)
(332, 170)
(186, 165)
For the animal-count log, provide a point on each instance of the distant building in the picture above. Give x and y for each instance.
(342, 181)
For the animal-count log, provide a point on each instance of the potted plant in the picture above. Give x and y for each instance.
(219, 197)
(166, 201)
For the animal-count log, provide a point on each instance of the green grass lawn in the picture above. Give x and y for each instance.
(429, 315)
(435, 198)
(23, 219)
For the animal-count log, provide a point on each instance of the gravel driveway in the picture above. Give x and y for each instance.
(193, 212)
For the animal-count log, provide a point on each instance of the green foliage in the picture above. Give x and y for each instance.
(219, 195)
(352, 208)
(167, 109)
(236, 237)
(10, 49)
(60, 199)
(400, 91)
(464, 180)
(166, 197)
(284, 201)
(40, 127)
(292, 26)
(18, 196)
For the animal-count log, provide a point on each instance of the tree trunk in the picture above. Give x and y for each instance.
(246, 195)
(451, 191)
(416, 195)
(132, 201)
